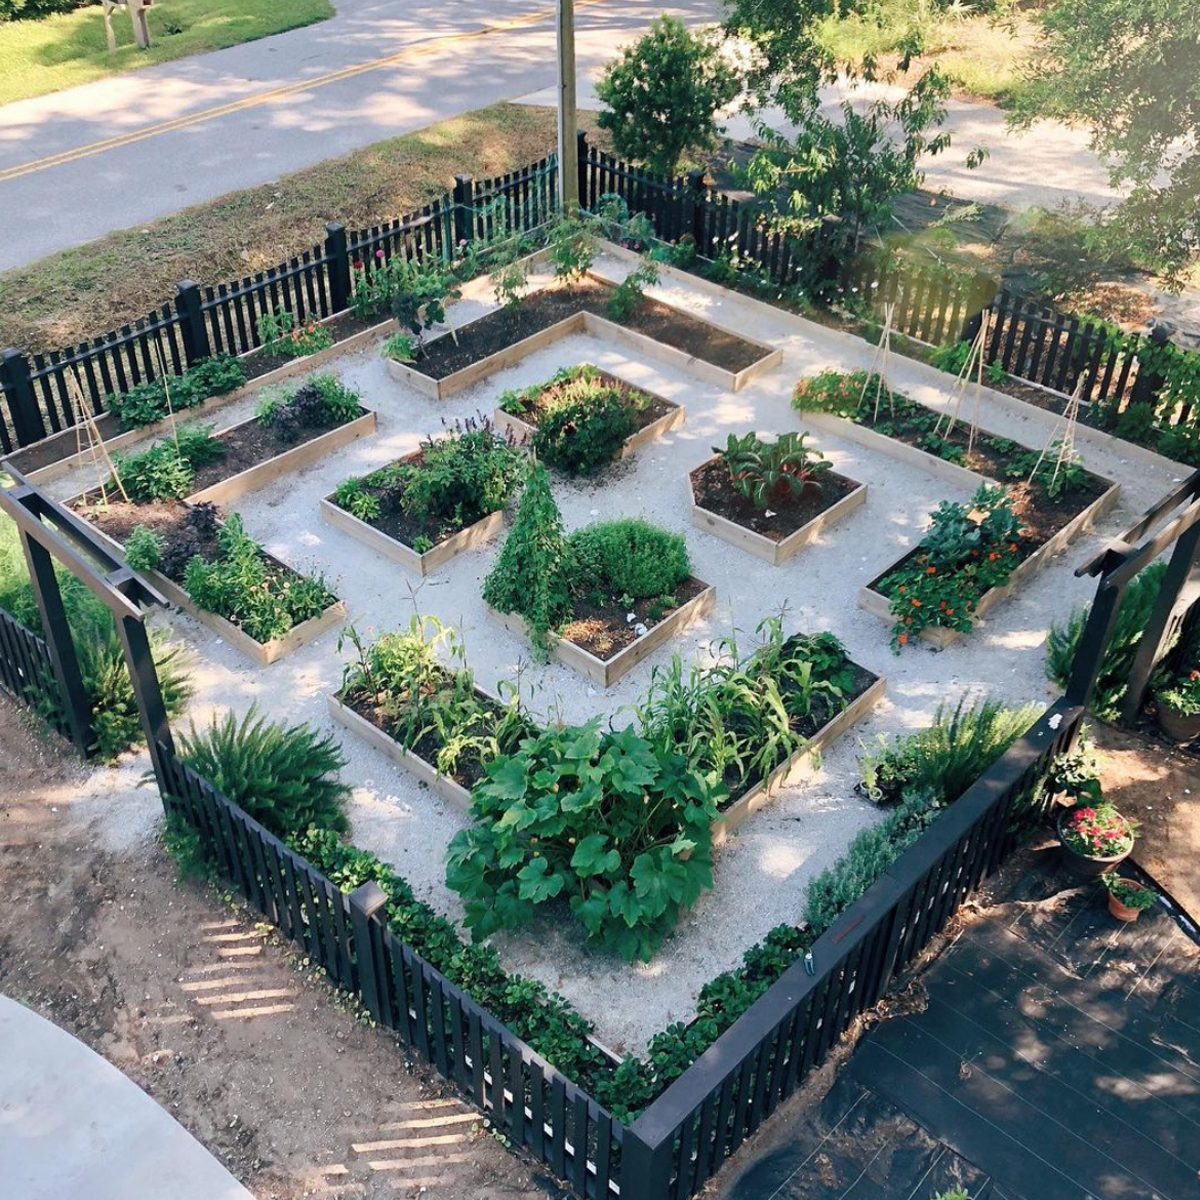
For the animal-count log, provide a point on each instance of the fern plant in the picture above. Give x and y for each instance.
(284, 776)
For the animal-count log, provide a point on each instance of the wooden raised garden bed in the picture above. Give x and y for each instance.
(260, 653)
(791, 524)
(247, 440)
(801, 764)
(503, 338)
(58, 454)
(699, 598)
(660, 416)
(877, 603)
(419, 563)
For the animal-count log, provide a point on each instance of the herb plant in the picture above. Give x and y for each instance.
(318, 403)
(582, 419)
(167, 470)
(1180, 693)
(147, 403)
(1128, 892)
(600, 820)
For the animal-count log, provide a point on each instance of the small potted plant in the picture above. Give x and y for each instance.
(1094, 839)
(1178, 701)
(1127, 898)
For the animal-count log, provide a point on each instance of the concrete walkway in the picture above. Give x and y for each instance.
(71, 1125)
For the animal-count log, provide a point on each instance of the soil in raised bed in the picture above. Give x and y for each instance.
(714, 490)
(501, 329)
(605, 630)
(657, 408)
(470, 769)
(166, 518)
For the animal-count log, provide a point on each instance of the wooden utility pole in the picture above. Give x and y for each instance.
(568, 174)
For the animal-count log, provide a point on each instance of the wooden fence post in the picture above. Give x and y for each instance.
(464, 210)
(365, 902)
(190, 308)
(77, 706)
(339, 266)
(28, 425)
(582, 161)
(695, 190)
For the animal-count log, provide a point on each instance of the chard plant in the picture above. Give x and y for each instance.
(769, 473)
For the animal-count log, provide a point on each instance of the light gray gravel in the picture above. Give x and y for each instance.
(761, 874)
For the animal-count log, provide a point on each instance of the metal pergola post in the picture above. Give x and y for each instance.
(53, 534)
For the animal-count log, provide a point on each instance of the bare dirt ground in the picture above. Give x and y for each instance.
(1157, 782)
(255, 1054)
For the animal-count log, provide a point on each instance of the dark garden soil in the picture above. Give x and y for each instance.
(634, 399)
(605, 629)
(407, 528)
(713, 489)
(501, 329)
(428, 745)
(255, 442)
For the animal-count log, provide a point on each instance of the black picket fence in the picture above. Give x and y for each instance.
(683, 1137)
(42, 394)
(26, 668)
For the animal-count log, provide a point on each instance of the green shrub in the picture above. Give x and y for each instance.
(320, 402)
(628, 295)
(530, 575)
(582, 421)
(600, 820)
(193, 858)
(284, 776)
(1062, 644)
(539, 1017)
(400, 348)
(628, 558)
(943, 760)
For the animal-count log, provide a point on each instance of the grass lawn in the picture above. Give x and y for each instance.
(93, 288)
(58, 52)
(982, 57)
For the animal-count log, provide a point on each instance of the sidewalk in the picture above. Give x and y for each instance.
(72, 1125)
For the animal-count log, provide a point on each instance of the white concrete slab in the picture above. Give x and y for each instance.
(71, 1125)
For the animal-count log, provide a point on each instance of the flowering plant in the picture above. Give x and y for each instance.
(1099, 832)
(1181, 694)
(968, 550)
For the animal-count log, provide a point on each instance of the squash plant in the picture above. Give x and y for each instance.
(603, 820)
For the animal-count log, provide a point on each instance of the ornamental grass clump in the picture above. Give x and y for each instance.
(284, 776)
(969, 549)
(601, 821)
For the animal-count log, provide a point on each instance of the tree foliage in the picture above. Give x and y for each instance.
(663, 95)
(1131, 70)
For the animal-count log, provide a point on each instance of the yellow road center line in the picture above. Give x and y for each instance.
(281, 93)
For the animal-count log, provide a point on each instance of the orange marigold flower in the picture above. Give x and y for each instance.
(903, 639)
(917, 604)
(993, 556)
(931, 571)
(1013, 547)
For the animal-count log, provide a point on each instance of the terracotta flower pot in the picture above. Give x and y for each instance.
(1122, 911)
(1086, 866)
(1177, 726)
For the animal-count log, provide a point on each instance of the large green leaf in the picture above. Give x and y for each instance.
(592, 857)
(538, 883)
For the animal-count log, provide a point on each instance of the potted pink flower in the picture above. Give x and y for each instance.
(1094, 839)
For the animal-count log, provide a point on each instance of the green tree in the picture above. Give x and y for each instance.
(854, 165)
(663, 94)
(1131, 70)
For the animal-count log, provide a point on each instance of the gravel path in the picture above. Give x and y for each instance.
(762, 873)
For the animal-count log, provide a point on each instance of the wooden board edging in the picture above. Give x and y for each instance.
(606, 672)
(798, 765)
(762, 547)
(391, 548)
(297, 458)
